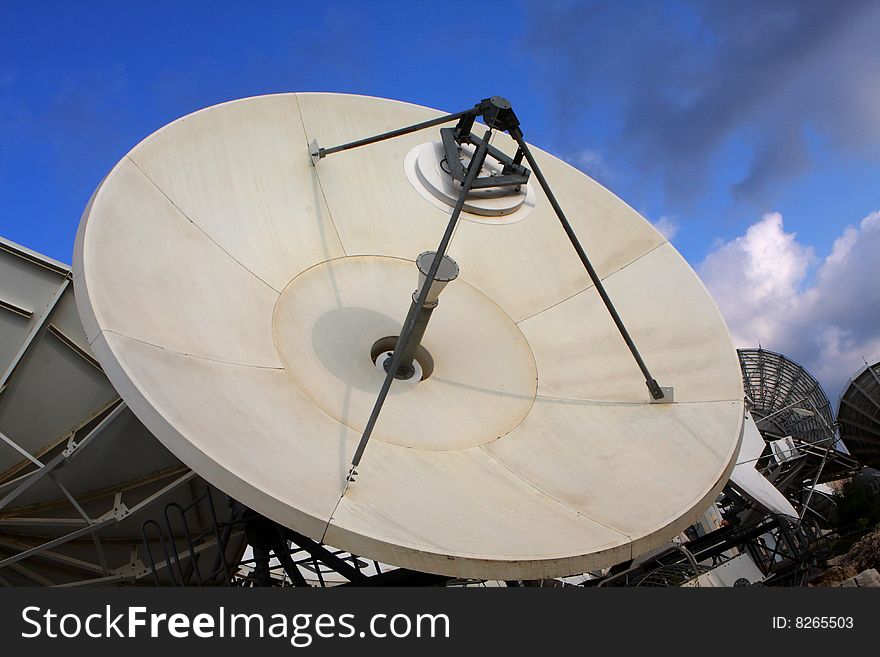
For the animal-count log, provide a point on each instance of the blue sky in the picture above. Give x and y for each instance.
(705, 117)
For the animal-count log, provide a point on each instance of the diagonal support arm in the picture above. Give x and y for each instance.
(653, 387)
(409, 324)
(318, 153)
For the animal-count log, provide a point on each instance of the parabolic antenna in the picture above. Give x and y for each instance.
(79, 474)
(750, 481)
(859, 416)
(792, 413)
(785, 399)
(241, 297)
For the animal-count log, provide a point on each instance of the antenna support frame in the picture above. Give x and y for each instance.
(498, 114)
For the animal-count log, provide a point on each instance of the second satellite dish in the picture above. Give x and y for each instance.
(238, 297)
(750, 481)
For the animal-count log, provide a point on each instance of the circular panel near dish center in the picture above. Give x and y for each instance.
(483, 382)
(238, 297)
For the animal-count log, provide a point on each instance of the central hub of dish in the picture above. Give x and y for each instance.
(383, 349)
(336, 320)
(434, 276)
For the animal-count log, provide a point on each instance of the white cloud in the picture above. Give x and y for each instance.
(760, 283)
(592, 163)
(588, 158)
(666, 225)
(755, 280)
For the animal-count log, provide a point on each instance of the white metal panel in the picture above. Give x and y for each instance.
(750, 481)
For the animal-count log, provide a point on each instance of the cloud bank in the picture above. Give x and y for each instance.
(677, 82)
(823, 313)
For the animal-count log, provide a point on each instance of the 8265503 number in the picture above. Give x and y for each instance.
(813, 622)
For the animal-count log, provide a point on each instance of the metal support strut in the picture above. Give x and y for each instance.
(496, 112)
(654, 388)
(318, 153)
(406, 369)
(409, 324)
(446, 272)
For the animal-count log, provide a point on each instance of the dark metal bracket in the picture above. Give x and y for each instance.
(497, 114)
(512, 175)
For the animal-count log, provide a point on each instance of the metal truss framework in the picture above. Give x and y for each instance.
(780, 546)
(780, 390)
(66, 538)
(280, 557)
(859, 415)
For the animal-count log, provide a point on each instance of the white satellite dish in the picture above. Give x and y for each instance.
(79, 474)
(750, 481)
(236, 295)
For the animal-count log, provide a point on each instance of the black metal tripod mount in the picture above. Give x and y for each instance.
(497, 114)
